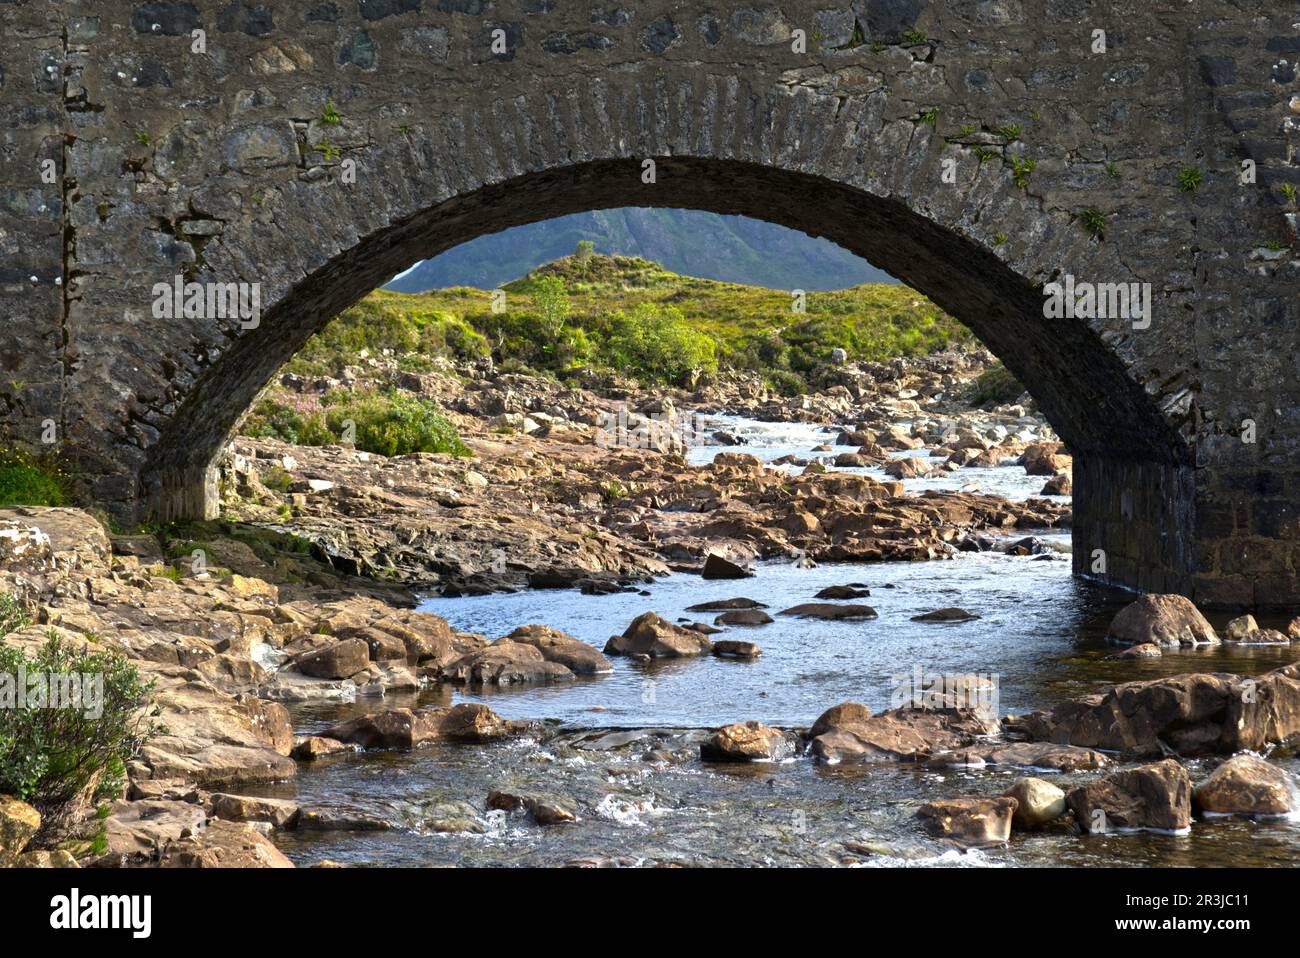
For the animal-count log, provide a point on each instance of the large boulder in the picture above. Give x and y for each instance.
(745, 617)
(1156, 797)
(651, 634)
(136, 833)
(560, 647)
(214, 739)
(906, 734)
(724, 605)
(716, 567)
(394, 728)
(1045, 459)
(746, 742)
(737, 649)
(278, 812)
(1248, 785)
(1037, 802)
(1198, 713)
(339, 660)
(969, 821)
(1169, 621)
(505, 663)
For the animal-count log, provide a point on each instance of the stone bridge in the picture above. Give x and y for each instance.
(980, 150)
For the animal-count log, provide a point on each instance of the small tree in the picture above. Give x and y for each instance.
(551, 302)
(585, 249)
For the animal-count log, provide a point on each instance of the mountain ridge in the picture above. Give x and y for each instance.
(731, 249)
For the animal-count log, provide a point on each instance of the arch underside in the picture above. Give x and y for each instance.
(1134, 481)
(1080, 383)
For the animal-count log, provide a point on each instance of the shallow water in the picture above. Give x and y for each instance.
(773, 440)
(1039, 639)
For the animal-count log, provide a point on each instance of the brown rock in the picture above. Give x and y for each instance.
(18, 823)
(749, 617)
(830, 610)
(736, 649)
(1037, 802)
(910, 468)
(843, 592)
(395, 728)
(224, 845)
(746, 742)
(906, 734)
(560, 647)
(505, 663)
(1059, 758)
(1240, 628)
(1157, 796)
(650, 634)
(724, 605)
(316, 746)
(1248, 785)
(246, 808)
(1058, 486)
(1166, 620)
(716, 567)
(340, 660)
(543, 812)
(1193, 714)
(969, 821)
(1147, 650)
(950, 614)
(846, 713)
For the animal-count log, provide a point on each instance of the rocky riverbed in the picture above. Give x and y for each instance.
(569, 487)
(563, 650)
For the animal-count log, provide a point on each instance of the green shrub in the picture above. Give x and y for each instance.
(302, 425)
(787, 383)
(277, 479)
(394, 423)
(658, 345)
(60, 760)
(995, 386)
(13, 616)
(27, 480)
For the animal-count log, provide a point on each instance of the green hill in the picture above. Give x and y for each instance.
(632, 314)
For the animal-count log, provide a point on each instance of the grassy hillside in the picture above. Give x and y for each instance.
(632, 314)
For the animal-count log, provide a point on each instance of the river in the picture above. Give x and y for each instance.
(623, 748)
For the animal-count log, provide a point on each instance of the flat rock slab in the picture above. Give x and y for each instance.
(830, 610)
(898, 735)
(724, 605)
(945, 615)
(1058, 758)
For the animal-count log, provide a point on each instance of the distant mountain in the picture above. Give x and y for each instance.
(733, 249)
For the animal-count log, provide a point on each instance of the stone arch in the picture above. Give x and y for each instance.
(1080, 381)
(222, 166)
